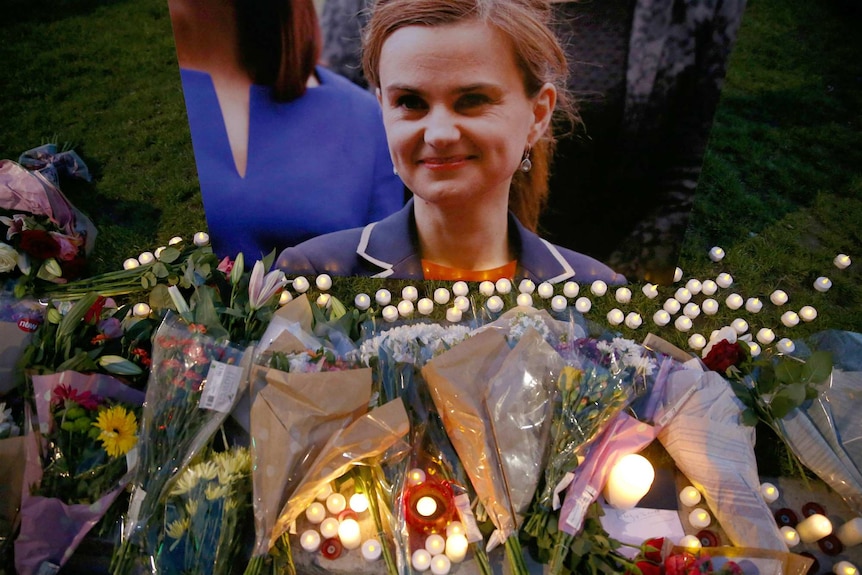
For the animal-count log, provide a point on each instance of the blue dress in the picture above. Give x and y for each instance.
(315, 165)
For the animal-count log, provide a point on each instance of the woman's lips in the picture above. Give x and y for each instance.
(444, 163)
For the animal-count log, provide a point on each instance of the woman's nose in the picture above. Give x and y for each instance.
(441, 128)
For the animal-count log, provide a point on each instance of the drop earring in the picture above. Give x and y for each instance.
(394, 170)
(526, 164)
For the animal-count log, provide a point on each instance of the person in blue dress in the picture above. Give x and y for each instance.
(285, 149)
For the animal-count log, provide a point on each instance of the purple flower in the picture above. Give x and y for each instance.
(111, 327)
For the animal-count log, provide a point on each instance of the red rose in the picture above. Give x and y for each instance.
(723, 355)
(679, 564)
(39, 244)
(652, 549)
(648, 568)
(73, 268)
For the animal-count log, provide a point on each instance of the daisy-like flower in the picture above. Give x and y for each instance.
(65, 393)
(215, 491)
(186, 482)
(177, 528)
(118, 430)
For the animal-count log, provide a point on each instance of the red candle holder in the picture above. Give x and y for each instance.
(440, 492)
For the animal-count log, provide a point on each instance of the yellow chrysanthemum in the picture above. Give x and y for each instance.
(118, 430)
(186, 482)
(177, 528)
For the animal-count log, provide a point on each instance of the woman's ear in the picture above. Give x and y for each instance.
(543, 111)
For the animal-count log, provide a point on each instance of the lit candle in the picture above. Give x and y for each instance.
(689, 496)
(671, 306)
(583, 304)
(415, 476)
(323, 300)
(425, 306)
(285, 297)
(661, 318)
(358, 502)
(362, 301)
(441, 296)
(633, 320)
(329, 527)
(765, 335)
(724, 280)
(503, 286)
(440, 565)
(426, 506)
(383, 297)
(421, 560)
(628, 481)
(850, 533)
(175, 240)
(310, 540)
(623, 295)
(201, 239)
(435, 544)
(300, 284)
(790, 536)
(845, 568)
(716, 254)
(734, 301)
(709, 287)
(486, 288)
(559, 303)
(786, 345)
(813, 528)
(546, 290)
(526, 286)
(808, 313)
(740, 325)
(141, 310)
(571, 289)
(615, 317)
(324, 492)
(754, 348)
(790, 318)
(453, 314)
(336, 503)
(690, 542)
(699, 518)
(682, 323)
(462, 303)
(753, 305)
(822, 284)
(455, 528)
(524, 300)
(390, 313)
(410, 293)
(371, 549)
(494, 304)
(709, 306)
(769, 492)
(599, 288)
(650, 290)
(349, 534)
(315, 513)
(682, 295)
(323, 282)
(456, 547)
(131, 263)
(694, 286)
(146, 258)
(691, 310)
(696, 342)
(677, 274)
(460, 288)
(841, 261)
(778, 297)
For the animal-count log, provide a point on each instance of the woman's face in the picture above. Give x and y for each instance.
(456, 113)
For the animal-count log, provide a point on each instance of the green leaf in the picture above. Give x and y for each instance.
(817, 368)
(119, 365)
(159, 297)
(169, 255)
(788, 370)
(160, 270)
(73, 317)
(787, 399)
(748, 417)
(742, 392)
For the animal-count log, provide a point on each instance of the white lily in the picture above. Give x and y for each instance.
(262, 287)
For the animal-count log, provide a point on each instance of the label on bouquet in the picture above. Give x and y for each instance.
(668, 415)
(222, 384)
(561, 486)
(576, 516)
(131, 458)
(137, 499)
(465, 512)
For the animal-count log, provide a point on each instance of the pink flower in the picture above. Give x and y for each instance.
(225, 265)
(261, 288)
(69, 245)
(64, 393)
(15, 224)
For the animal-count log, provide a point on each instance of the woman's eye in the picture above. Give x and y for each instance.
(468, 101)
(410, 102)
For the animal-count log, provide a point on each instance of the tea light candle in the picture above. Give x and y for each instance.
(159, 251)
(201, 239)
(690, 542)
(716, 254)
(453, 315)
(315, 512)
(383, 297)
(141, 310)
(421, 560)
(623, 295)
(456, 547)
(733, 301)
(844, 568)
(786, 345)
(790, 536)
(435, 544)
(583, 304)
(441, 296)
(426, 506)
(682, 295)
(699, 518)
(696, 342)
(571, 289)
(850, 533)
(633, 320)
(494, 304)
(661, 318)
(300, 284)
(682, 323)
(462, 303)
(694, 286)
(524, 300)
(358, 502)
(455, 528)
(841, 261)
(390, 313)
(546, 290)
(754, 348)
(486, 288)
(415, 476)
(813, 528)
(336, 503)
(709, 306)
(310, 540)
(677, 274)
(131, 263)
(691, 310)
(778, 297)
(790, 318)
(323, 282)
(599, 288)
(349, 534)
(460, 288)
(329, 527)
(822, 284)
(765, 335)
(324, 492)
(371, 549)
(503, 286)
(410, 293)
(323, 300)
(769, 492)
(808, 313)
(405, 308)
(709, 287)
(559, 303)
(425, 306)
(440, 565)
(362, 301)
(285, 298)
(740, 325)
(628, 481)
(175, 240)
(671, 306)
(615, 317)
(753, 305)
(526, 286)
(650, 290)
(689, 496)
(146, 258)
(724, 280)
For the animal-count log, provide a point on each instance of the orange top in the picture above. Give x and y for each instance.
(434, 271)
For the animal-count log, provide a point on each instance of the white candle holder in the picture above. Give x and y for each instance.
(559, 303)
(850, 533)
(709, 306)
(682, 295)
(410, 293)
(310, 540)
(633, 320)
(778, 297)
(599, 288)
(571, 289)
(628, 481)
(623, 295)
(425, 306)
(682, 323)
(486, 288)
(526, 286)
(790, 318)
(371, 549)
(441, 296)
(740, 325)
(822, 284)
(405, 308)
(390, 313)
(671, 306)
(383, 297)
(524, 300)
(545, 290)
(790, 536)
(616, 317)
(699, 518)
(691, 310)
(765, 335)
(808, 313)
(696, 342)
(583, 304)
(842, 261)
(753, 305)
(460, 288)
(734, 301)
(724, 280)
(362, 301)
(716, 254)
(661, 318)
(503, 286)
(694, 286)
(689, 496)
(300, 284)
(324, 282)
(494, 304)
(677, 274)
(709, 287)
(769, 492)
(650, 290)
(785, 345)
(814, 528)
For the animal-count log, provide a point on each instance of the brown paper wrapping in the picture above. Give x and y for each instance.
(369, 436)
(791, 563)
(12, 454)
(297, 310)
(291, 419)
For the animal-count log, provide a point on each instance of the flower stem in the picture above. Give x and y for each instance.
(562, 543)
(515, 555)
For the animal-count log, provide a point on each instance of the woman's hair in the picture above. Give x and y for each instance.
(538, 54)
(280, 43)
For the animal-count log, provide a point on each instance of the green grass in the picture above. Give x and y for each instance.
(781, 189)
